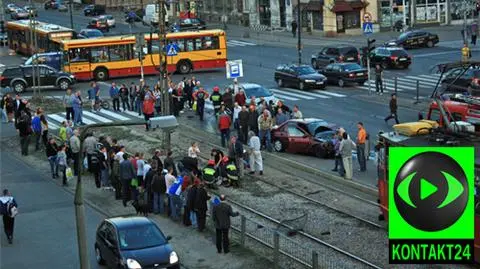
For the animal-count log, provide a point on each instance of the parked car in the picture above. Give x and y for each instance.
(390, 57)
(32, 10)
(90, 33)
(343, 73)
(98, 23)
(301, 77)
(252, 89)
(305, 136)
(20, 78)
(133, 242)
(189, 24)
(414, 39)
(62, 8)
(10, 8)
(94, 10)
(50, 4)
(335, 54)
(19, 14)
(458, 81)
(3, 39)
(110, 20)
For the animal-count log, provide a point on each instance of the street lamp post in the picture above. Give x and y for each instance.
(71, 14)
(299, 45)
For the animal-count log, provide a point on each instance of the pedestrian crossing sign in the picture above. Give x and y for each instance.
(172, 49)
(367, 28)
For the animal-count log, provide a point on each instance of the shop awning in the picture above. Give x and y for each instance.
(346, 6)
(314, 6)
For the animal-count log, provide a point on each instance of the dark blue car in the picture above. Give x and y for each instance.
(133, 242)
(52, 59)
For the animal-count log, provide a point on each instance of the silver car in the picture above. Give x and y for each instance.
(11, 8)
(19, 14)
(110, 20)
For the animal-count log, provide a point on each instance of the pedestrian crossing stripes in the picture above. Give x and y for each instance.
(405, 84)
(238, 43)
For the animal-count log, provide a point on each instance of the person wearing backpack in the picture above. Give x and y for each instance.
(62, 163)
(8, 207)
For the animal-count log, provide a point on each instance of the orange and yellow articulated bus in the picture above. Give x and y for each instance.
(109, 57)
(49, 36)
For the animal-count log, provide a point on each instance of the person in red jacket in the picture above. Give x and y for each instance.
(241, 98)
(224, 122)
(148, 106)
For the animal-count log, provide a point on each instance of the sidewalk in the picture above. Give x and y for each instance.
(196, 250)
(445, 33)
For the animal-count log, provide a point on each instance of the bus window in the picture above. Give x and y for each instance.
(99, 54)
(189, 45)
(180, 43)
(199, 44)
(78, 55)
(120, 52)
(210, 42)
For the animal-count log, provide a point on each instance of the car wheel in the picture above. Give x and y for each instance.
(314, 64)
(19, 86)
(101, 74)
(184, 67)
(320, 152)
(280, 82)
(301, 86)
(384, 65)
(98, 256)
(341, 83)
(64, 84)
(430, 44)
(278, 146)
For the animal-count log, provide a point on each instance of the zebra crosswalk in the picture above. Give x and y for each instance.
(405, 84)
(89, 118)
(239, 43)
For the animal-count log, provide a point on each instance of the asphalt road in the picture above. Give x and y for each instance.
(45, 230)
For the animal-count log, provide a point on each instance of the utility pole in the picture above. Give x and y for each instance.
(71, 15)
(33, 49)
(162, 37)
(464, 5)
(2, 21)
(299, 45)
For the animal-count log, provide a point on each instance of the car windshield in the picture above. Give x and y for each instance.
(140, 237)
(399, 53)
(403, 36)
(351, 67)
(257, 92)
(94, 34)
(305, 70)
(316, 127)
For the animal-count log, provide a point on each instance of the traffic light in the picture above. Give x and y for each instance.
(370, 45)
(2, 27)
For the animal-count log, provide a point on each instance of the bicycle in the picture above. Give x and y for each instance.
(101, 104)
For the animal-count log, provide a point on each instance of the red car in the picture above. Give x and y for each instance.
(305, 136)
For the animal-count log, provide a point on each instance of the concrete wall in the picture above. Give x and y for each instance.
(252, 7)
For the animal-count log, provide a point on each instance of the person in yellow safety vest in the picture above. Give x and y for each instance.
(232, 174)
(216, 99)
(209, 173)
(465, 53)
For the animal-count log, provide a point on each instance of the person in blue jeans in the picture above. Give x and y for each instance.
(191, 196)
(52, 150)
(158, 189)
(174, 196)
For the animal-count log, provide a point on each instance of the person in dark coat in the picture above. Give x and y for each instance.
(8, 218)
(221, 214)
(159, 189)
(156, 158)
(24, 123)
(168, 162)
(19, 105)
(243, 117)
(147, 181)
(393, 109)
(253, 120)
(200, 206)
(127, 173)
(191, 196)
(227, 99)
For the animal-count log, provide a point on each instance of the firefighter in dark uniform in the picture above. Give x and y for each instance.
(209, 173)
(200, 96)
(232, 174)
(216, 99)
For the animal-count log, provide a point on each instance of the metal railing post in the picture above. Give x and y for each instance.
(314, 259)
(243, 230)
(276, 250)
(418, 93)
(395, 85)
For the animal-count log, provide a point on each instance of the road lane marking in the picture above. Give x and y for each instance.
(97, 117)
(53, 126)
(84, 120)
(114, 115)
(435, 54)
(134, 114)
(306, 93)
(56, 118)
(292, 95)
(330, 93)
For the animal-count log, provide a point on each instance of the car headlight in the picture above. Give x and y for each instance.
(72, 76)
(173, 257)
(133, 264)
(310, 81)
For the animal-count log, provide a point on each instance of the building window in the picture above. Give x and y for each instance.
(352, 20)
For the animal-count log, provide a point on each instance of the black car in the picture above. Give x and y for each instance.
(99, 24)
(390, 57)
(94, 10)
(335, 54)
(460, 81)
(20, 78)
(90, 33)
(19, 14)
(189, 24)
(414, 39)
(343, 73)
(302, 77)
(50, 4)
(133, 242)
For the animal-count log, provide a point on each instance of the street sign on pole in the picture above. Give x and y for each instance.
(367, 28)
(234, 69)
(172, 49)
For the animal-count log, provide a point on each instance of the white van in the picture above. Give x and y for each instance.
(152, 14)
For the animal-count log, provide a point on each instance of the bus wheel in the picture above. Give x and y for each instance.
(101, 74)
(19, 86)
(184, 67)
